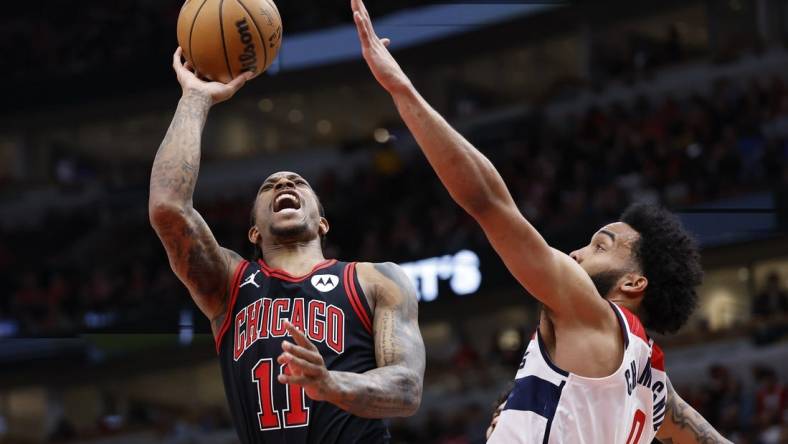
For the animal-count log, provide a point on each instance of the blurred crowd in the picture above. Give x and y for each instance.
(60, 41)
(757, 414)
(46, 47)
(99, 265)
(747, 410)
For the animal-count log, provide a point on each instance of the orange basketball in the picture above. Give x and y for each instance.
(223, 38)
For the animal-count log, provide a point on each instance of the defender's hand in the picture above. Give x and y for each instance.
(383, 66)
(305, 366)
(218, 92)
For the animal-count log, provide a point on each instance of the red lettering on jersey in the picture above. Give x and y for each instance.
(316, 327)
(252, 323)
(297, 315)
(335, 338)
(240, 334)
(277, 307)
(265, 319)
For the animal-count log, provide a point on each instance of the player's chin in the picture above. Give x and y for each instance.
(289, 228)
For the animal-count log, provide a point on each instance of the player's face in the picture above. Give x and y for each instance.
(608, 256)
(287, 208)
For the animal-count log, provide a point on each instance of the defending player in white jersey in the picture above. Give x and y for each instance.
(590, 373)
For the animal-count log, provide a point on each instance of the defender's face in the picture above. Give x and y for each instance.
(609, 253)
(287, 207)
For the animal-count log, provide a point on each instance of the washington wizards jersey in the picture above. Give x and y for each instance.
(549, 405)
(329, 306)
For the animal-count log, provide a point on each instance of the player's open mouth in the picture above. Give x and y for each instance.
(287, 200)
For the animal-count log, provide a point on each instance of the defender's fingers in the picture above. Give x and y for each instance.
(296, 350)
(385, 42)
(362, 30)
(367, 22)
(362, 8)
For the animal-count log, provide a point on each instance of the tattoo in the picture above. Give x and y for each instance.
(689, 422)
(178, 159)
(394, 388)
(388, 329)
(195, 256)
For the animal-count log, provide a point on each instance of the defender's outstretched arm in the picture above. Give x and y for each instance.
(195, 256)
(392, 389)
(474, 183)
(684, 425)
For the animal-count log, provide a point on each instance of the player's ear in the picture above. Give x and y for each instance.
(323, 227)
(254, 235)
(633, 285)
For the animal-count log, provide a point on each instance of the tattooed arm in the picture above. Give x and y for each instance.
(392, 389)
(195, 256)
(684, 425)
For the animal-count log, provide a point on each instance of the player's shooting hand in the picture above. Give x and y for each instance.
(218, 92)
(305, 366)
(374, 49)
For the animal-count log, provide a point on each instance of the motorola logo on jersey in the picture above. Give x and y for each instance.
(264, 318)
(325, 282)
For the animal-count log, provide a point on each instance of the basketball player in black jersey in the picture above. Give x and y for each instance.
(311, 350)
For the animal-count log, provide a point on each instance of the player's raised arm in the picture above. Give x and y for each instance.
(684, 425)
(195, 256)
(474, 183)
(394, 388)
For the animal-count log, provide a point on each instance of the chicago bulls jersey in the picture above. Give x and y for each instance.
(329, 306)
(549, 405)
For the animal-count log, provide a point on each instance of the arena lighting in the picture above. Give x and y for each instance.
(461, 270)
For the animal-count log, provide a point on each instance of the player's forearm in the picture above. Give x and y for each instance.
(684, 425)
(177, 162)
(469, 176)
(385, 392)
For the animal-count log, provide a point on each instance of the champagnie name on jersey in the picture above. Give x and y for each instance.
(263, 318)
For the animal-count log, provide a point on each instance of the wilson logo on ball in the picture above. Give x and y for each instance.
(248, 58)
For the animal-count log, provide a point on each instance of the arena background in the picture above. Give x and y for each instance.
(583, 107)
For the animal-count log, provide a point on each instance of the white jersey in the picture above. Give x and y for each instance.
(550, 406)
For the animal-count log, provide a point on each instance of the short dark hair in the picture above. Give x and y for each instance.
(257, 253)
(668, 257)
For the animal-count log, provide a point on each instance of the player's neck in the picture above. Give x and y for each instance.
(623, 301)
(297, 258)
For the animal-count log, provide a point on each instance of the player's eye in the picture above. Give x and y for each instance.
(599, 247)
(266, 187)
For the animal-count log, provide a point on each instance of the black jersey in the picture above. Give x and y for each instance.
(329, 306)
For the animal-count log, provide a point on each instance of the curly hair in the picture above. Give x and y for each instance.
(668, 257)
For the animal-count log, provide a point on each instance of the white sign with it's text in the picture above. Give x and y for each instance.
(461, 270)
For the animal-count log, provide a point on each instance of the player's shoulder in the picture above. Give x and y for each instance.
(383, 276)
(637, 331)
(633, 325)
(378, 270)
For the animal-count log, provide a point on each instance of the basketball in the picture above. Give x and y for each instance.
(224, 38)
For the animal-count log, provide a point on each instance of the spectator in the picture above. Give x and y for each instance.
(771, 404)
(772, 300)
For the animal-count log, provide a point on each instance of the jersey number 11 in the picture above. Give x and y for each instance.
(296, 414)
